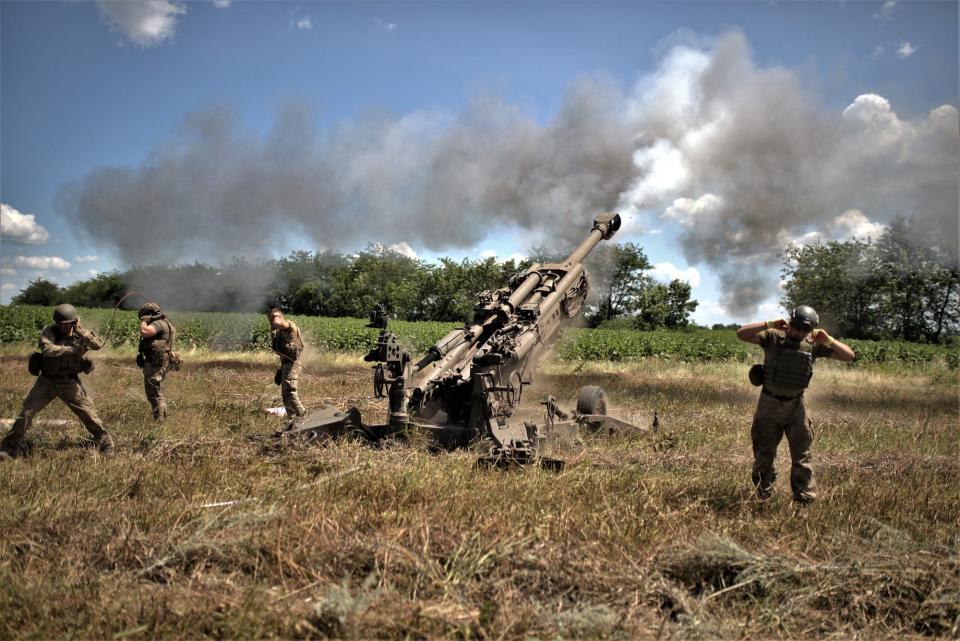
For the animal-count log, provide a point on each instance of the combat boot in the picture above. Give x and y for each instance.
(13, 445)
(104, 443)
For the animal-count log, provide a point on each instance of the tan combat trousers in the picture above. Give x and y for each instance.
(289, 383)
(772, 420)
(153, 386)
(68, 390)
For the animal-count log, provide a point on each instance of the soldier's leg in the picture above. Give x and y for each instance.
(800, 437)
(39, 396)
(153, 387)
(289, 386)
(75, 396)
(765, 433)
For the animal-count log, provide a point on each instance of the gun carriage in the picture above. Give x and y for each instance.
(466, 388)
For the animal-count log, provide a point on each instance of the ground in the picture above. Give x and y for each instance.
(195, 530)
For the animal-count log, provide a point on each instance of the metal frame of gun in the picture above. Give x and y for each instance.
(466, 386)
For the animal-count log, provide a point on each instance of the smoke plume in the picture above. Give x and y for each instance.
(743, 159)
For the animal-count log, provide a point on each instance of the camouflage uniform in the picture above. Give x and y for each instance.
(59, 378)
(289, 345)
(780, 411)
(156, 363)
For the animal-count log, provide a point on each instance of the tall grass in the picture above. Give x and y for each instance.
(197, 529)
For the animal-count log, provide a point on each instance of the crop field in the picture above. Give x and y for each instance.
(250, 332)
(201, 528)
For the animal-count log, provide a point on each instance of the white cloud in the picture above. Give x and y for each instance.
(492, 253)
(666, 272)
(853, 223)
(144, 22)
(86, 259)
(877, 52)
(7, 271)
(21, 228)
(906, 50)
(93, 272)
(664, 174)
(689, 212)
(304, 23)
(403, 248)
(383, 25)
(7, 287)
(654, 232)
(41, 262)
(885, 13)
(221, 4)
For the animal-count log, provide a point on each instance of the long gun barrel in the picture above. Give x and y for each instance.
(530, 310)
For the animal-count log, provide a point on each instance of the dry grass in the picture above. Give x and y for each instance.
(193, 530)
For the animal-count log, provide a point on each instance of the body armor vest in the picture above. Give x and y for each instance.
(287, 342)
(156, 350)
(789, 365)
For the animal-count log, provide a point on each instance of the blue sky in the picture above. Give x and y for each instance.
(88, 86)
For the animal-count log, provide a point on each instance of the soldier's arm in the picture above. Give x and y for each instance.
(147, 330)
(750, 333)
(49, 347)
(90, 339)
(841, 351)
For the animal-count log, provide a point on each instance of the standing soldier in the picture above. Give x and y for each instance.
(789, 348)
(288, 344)
(61, 360)
(156, 356)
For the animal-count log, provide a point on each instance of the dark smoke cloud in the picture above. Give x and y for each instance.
(744, 159)
(218, 191)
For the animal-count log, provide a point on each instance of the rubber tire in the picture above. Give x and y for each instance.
(592, 400)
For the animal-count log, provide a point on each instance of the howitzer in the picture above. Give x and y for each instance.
(467, 385)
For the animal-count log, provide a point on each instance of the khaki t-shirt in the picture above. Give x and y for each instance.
(768, 340)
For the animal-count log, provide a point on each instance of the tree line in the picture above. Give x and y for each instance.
(334, 284)
(905, 285)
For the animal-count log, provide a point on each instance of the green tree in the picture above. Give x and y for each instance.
(841, 280)
(103, 290)
(39, 292)
(618, 277)
(906, 285)
(666, 306)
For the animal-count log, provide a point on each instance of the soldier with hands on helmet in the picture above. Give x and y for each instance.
(156, 355)
(790, 348)
(58, 364)
(288, 345)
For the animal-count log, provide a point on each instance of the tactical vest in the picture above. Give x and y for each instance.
(789, 364)
(287, 342)
(156, 351)
(62, 366)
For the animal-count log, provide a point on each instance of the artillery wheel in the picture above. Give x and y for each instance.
(592, 400)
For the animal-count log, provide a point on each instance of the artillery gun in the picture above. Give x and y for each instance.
(466, 387)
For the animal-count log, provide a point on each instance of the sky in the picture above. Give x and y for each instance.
(135, 133)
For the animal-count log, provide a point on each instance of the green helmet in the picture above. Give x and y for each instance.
(804, 318)
(150, 309)
(65, 313)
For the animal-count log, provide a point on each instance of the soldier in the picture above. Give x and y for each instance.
(288, 344)
(790, 348)
(61, 357)
(156, 357)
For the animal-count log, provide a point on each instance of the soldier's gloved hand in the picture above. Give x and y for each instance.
(779, 323)
(821, 336)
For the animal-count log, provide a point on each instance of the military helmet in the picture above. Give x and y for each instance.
(150, 309)
(65, 313)
(804, 318)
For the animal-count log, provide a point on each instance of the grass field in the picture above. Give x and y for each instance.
(193, 530)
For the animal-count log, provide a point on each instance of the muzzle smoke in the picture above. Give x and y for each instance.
(743, 159)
